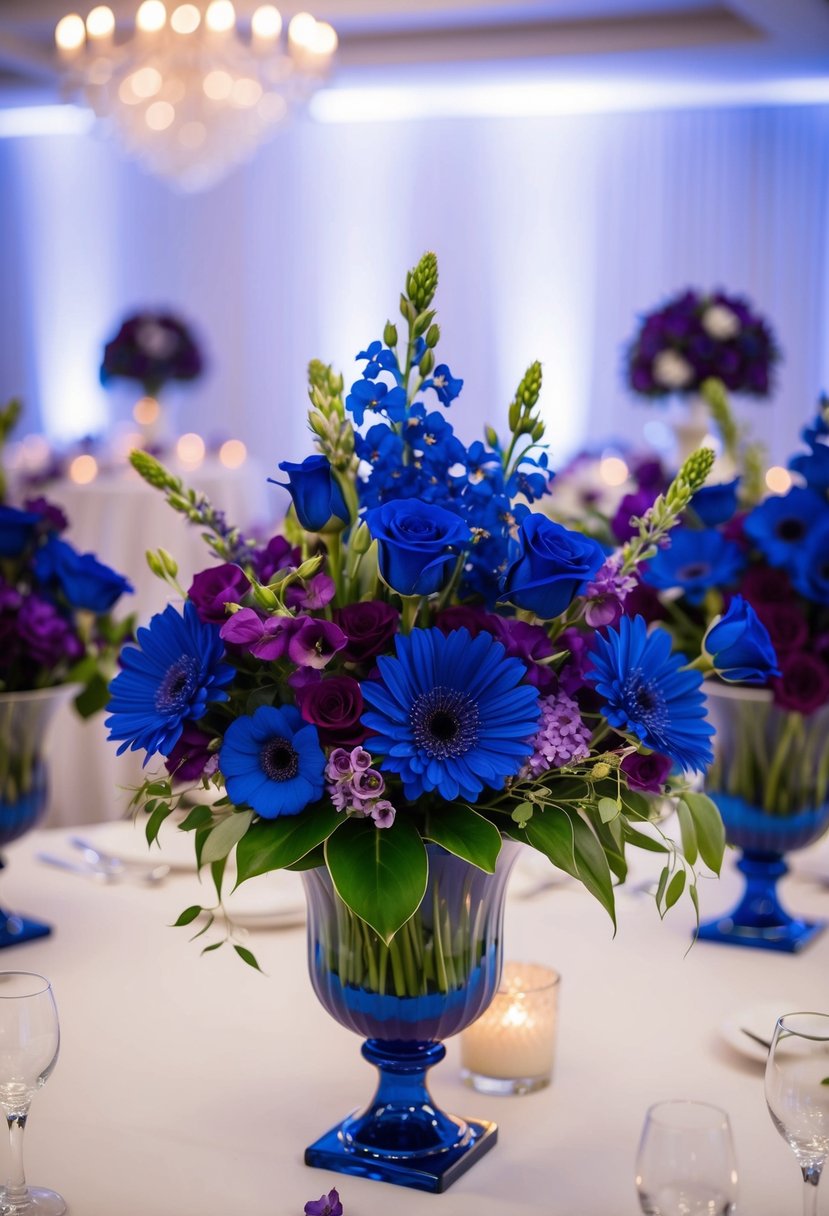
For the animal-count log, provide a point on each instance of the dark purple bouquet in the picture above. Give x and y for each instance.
(152, 348)
(697, 337)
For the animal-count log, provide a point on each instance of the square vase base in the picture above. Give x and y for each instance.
(16, 929)
(788, 938)
(435, 1172)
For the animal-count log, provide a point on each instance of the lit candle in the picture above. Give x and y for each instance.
(509, 1050)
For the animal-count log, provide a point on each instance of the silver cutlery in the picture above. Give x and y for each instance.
(120, 867)
(103, 873)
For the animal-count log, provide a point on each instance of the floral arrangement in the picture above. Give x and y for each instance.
(696, 337)
(418, 660)
(764, 562)
(152, 348)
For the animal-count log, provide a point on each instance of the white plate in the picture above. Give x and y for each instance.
(128, 841)
(534, 873)
(761, 1020)
(269, 901)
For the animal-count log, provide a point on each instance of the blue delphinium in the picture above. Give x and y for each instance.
(169, 679)
(739, 646)
(695, 560)
(451, 713)
(650, 693)
(273, 762)
(780, 526)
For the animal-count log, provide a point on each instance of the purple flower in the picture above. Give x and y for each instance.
(152, 348)
(190, 759)
(527, 642)
(326, 1205)
(52, 516)
(277, 555)
(265, 637)
(369, 628)
(368, 785)
(631, 507)
(382, 813)
(562, 738)
(803, 684)
(334, 706)
(468, 616)
(607, 593)
(313, 642)
(315, 593)
(47, 637)
(646, 774)
(212, 589)
(786, 625)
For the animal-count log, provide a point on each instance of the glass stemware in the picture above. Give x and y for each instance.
(29, 1042)
(797, 1094)
(686, 1164)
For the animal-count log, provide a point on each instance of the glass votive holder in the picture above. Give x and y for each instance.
(510, 1048)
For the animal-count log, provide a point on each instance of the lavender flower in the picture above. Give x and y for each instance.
(562, 735)
(356, 787)
(326, 1205)
(607, 593)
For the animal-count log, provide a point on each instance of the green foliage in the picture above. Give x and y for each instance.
(274, 844)
(380, 875)
(461, 830)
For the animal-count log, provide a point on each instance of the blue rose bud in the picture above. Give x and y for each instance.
(417, 543)
(16, 530)
(83, 580)
(318, 499)
(549, 566)
(716, 504)
(739, 646)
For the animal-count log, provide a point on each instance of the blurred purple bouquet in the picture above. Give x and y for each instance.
(152, 348)
(697, 337)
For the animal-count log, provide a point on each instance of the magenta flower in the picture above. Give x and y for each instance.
(315, 593)
(647, 774)
(212, 589)
(326, 1205)
(314, 642)
(265, 637)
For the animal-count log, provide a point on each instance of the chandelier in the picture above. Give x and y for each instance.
(192, 91)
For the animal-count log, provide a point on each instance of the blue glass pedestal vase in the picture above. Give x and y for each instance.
(24, 719)
(770, 781)
(438, 974)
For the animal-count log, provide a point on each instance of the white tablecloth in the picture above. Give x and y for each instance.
(190, 1086)
(119, 518)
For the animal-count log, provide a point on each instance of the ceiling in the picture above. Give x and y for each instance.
(446, 41)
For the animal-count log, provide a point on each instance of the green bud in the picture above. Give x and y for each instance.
(168, 562)
(407, 309)
(265, 597)
(155, 564)
(538, 431)
(309, 567)
(514, 415)
(491, 436)
(433, 335)
(390, 335)
(422, 323)
(696, 468)
(422, 281)
(530, 386)
(426, 363)
(153, 471)
(360, 539)
(317, 424)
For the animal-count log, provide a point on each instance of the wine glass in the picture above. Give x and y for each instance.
(686, 1164)
(29, 1042)
(797, 1093)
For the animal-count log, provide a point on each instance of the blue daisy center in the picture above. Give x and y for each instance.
(692, 571)
(791, 529)
(279, 759)
(444, 722)
(644, 701)
(180, 682)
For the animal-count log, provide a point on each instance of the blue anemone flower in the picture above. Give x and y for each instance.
(780, 526)
(451, 713)
(650, 693)
(167, 680)
(695, 560)
(273, 762)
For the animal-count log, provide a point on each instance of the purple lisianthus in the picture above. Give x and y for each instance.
(212, 589)
(803, 684)
(631, 507)
(265, 637)
(468, 616)
(531, 644)
(191, 759)
(313, 642)
(607, 592)
(52, 517)
(316, 592)
(326, 1205)
(646, 773)
(277, 555)
(334, 705)
(47, 637)
(369, 628)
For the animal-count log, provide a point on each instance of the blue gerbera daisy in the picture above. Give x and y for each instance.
(451, 713)
(273, 762)
(695, 560)
(650, 693)
(168, 679)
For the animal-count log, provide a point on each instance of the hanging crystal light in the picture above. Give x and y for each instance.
(190, 93)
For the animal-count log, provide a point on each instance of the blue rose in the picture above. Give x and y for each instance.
(16, 530)
(84, 581)
(318, 499)
(549, 564)
(739, 646)
(417, 542)
(716, 504)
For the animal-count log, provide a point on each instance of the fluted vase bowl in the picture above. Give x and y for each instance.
(770, 781)
(24, 784)
(438, 974)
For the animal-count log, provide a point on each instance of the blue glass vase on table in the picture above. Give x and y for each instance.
(420, 675)
(56, 635)
(747, 580)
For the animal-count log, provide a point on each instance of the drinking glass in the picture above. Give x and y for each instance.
(686, 1164)
(797, 1093)
(29, 1042)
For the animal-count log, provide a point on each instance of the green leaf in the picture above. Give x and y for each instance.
(155, 821)
(466, 834)
(609, 808)
(610, 838)
(225, 835)
(311, 861)
(275, 844)
(522, 814)
(551, 832)
(709, 829)
(205, 927)
(188, 915)
(213, 946)
(94, 697)
(591, 862)
(661, 885)
(197, 818)
(675, 888)
(640, 841)
(217, 872)
(158, 789)
(694, 894)
(247, 957)
(380, 873)
(635, 803)
(690, 848)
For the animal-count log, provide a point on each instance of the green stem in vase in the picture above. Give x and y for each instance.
(787, 737)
